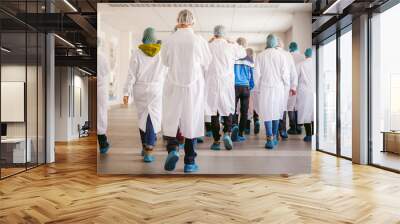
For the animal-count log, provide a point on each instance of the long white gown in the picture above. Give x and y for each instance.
(186, 55)
(145, 79)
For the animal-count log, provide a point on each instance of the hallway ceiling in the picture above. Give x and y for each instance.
(249, 20)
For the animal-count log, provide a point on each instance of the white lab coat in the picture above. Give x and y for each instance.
(290, 78)
(305, 91)
(145, 79)
(269, 71)
(103, 72)
(186, 55)
(297, 57)
(220, 77)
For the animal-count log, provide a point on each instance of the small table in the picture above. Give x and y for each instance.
(391, 141)
(14, 150)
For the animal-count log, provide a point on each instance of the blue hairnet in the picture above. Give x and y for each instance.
(293, 47)
(219, 31)
(308, 53)
(149, 36)
(272, 41)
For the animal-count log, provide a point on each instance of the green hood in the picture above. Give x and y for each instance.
(150, 50)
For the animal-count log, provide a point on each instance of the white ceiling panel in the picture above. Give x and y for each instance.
(253, 21)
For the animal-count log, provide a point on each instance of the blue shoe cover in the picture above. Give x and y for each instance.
(307, 138)
(269, 144)
(209, 134)
(190, 168)
(284, 135)
(235, 133)
(148, 158)
(104, 149)
(241, 138)
(171, 160)
(215, 146)
(247, 131)
(228, 142)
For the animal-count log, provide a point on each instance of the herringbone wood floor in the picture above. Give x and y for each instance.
(69, 191)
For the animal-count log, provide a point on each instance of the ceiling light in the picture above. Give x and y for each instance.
(64, 40)
(5, 50)
(70, 5)
(84, 71)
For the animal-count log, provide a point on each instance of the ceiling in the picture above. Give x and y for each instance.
(254, 21)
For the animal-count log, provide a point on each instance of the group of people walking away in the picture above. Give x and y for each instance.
(176, 86)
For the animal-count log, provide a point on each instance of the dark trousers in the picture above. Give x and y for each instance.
(208, 126)
(149, 136)
(309, 127)
(242, 94)
(255, 119)
(190, 153)
(282, 123)
(216, 127)
(292, 119)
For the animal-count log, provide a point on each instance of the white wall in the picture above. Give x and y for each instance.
(301, 31)
(69, 82)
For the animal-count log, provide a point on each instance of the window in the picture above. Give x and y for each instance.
(346, 94)
(327, 97)
(385, 89)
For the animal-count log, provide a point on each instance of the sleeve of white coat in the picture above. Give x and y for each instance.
(165, 55)
(131, 78)
(206, 54)
(257, 74)
(293, 75)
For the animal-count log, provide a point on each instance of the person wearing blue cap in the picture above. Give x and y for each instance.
(305, 99)
(268, 80)
(294, 129)
(145, 81)
(220, 85)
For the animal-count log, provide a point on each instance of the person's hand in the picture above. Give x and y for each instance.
(292, 92)
(126, 100)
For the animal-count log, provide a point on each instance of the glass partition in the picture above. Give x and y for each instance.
(327, 96)
(346, 94)
(385, 90)
(22, 77)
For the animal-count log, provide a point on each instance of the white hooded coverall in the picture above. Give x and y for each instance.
(305, 91)
(220, 77)
(269, 71)
(186, 55)
(145, 79)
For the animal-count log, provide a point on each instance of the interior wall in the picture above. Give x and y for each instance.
(17, 73)
(302, 30)
(68, 115)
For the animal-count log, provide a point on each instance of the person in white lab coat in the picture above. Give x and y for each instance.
(186, 55)
(220, 85)
(145, 80)
(291, 107)
(305, 99)
(290, 83)
(103, 72)
(269, 73)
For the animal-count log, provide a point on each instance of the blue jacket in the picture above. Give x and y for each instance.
(244, 69)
